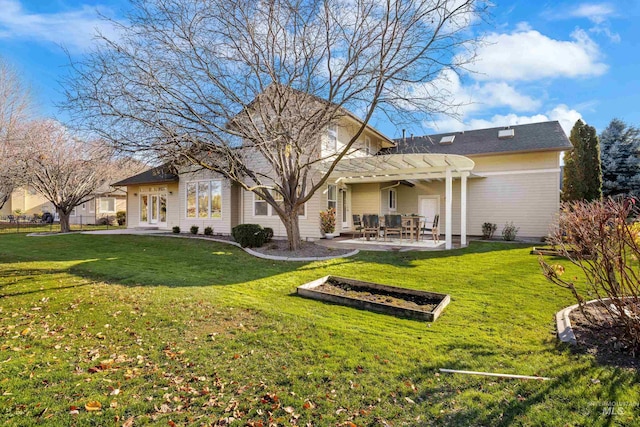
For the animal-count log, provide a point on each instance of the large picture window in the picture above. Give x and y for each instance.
(204, 199)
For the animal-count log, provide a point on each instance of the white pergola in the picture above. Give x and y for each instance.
(413, 167)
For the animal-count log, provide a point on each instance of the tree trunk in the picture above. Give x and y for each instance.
(290, 221)
(64, 221)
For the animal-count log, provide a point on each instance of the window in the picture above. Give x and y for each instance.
(332, 138)
(107, 204)
(393, 199)
(262, 208)
(191, 199)
(204, 199)
(332, 197)
(367, 146)
(84, 206)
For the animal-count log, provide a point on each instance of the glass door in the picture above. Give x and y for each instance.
(153, 207)
(345, 208)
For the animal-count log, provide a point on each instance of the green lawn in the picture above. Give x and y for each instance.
(162, 331)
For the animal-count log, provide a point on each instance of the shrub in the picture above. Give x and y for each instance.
(488, 229)
(194, 229)
(328, 220)
(105, 220)
(268, 234)
(121, 217)
(176, 229)
(509, 231)
(208, 231)
(249, 235)
(597, 238)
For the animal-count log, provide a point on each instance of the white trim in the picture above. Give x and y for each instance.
(463, 209)
(518, 172)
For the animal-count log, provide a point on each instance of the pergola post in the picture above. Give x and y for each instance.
(463, 208)
(448, 208)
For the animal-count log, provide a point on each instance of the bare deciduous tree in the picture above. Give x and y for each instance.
(64, 169)
(247, 88)
(14, 113)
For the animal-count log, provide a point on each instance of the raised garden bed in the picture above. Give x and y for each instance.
(385, 299)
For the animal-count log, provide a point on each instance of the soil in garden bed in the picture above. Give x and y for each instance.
(364, 293)
(595, 335)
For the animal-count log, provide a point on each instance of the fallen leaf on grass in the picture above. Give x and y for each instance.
(128, 422)
(25, 331)
(409, 400)
(288, 409)
(93, 405)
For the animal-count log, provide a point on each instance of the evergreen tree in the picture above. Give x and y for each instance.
(582, 171)
(620, 145)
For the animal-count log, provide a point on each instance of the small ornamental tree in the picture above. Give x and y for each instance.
(64, 169)
(328, 221)
(599, 238)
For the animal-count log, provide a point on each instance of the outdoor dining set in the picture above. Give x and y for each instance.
(411, 227)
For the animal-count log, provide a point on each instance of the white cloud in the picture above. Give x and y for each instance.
(73, 29)
(562, 113)
(527, 55)
(595, 12)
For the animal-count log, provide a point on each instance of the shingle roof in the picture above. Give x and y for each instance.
(545, 136)
(159, 174)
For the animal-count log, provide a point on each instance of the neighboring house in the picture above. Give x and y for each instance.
(28, 202)
(493, 175)
(107, 201)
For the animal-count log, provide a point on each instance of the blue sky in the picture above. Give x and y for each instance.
(542, 60)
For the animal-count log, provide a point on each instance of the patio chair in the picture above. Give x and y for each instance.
(357, 226)
(371, 226)
(392, 225)
(434, 229)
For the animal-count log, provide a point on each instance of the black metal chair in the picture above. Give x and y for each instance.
(392, 225)
(434, 229)
(357, 226)
(371, 226)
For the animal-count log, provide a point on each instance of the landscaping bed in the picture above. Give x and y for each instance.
(376, 297)
(596, 335)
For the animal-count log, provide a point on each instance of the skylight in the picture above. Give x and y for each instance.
(446, 140)
(506, 133)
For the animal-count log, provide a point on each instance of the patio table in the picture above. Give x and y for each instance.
(412, 223)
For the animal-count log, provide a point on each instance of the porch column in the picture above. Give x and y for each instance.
(448, 207)
(463, 208)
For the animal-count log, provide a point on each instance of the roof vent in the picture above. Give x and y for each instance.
(506, 133)
(446, 140)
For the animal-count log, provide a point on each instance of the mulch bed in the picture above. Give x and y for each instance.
(307, 249)
(377, 296)
(598, 337)
(281, 248)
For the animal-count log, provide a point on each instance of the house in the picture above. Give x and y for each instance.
(104, 203)
(498, 175)
(26, 201)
